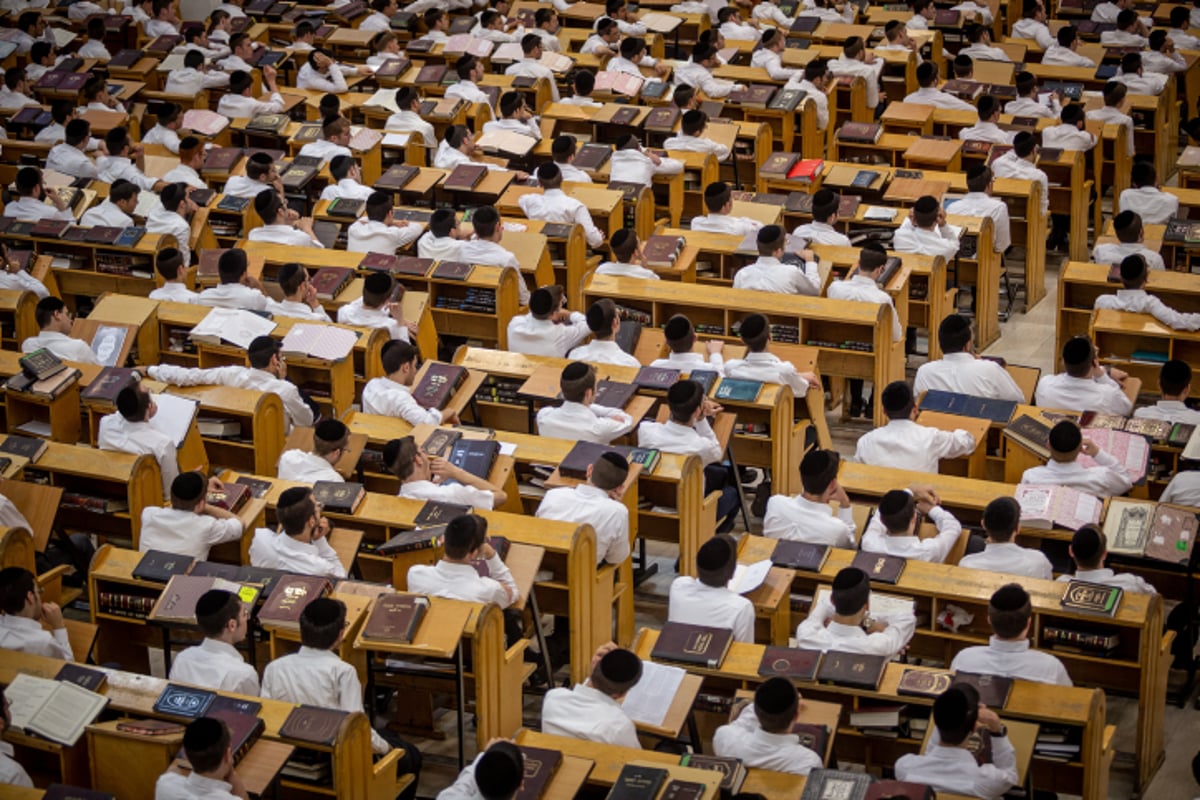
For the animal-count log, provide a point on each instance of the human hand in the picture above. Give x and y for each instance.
(989, 719)
(304, 224)
(602, 651)
(1118, 375)
(322, 530)
(808, 255)
(714, 346)
(710, 408)
(811, 378)
(215, 485)
(1089, 448)
(251, 281)
(52, 616)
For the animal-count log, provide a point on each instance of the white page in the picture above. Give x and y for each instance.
(507, 448)
(25, 695)
(174, 416)
(67, 712)
(748, 577)
(396, 139)
(383, 98)
(649, 700)
(234, 326)
(880, 605)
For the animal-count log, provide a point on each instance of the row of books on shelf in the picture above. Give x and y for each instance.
(500, 390)
(415, 267)
(479, 301)
(69, 232)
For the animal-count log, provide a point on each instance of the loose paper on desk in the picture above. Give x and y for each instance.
(649, 700)
(396, 139)
(174, 417)
(384, 98)
(25, 696)
(147, 202)
(232, 325)
(748, 577)
(881, 605)
(326, 342)
(880, 212)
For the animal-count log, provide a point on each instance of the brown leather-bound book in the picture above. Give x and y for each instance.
(52, 228)
(789, 662)
(879, 567)
(1092, 598)
(412, 265)
(340, 497)
(805, 556)
(656, 378)
(614, 394)
(799, 202)
(661, 120)
(993, 689)
(290, 597)
(453, 270)
(756, 95)
(397, 177)
(806, 23)
(922, 683)
(733, 772)
(899, 790)
(313, 724)
(231, 498)
(409, 541)
(329, 281)
(346, 208)
(435, 513)
(637, 782)
(125, 58)
(847, 205)
(396, 618)
(221, 159)
(379, 262)
(683, 790)
(244, 730)
(392, 68)
(581, 456)
(859, 132)
(108, 384)
(28, 447)
(661, 251)
(1172, 535)
(419, 46)
(465, 177)
(592, 156)
(778, 165)
(297, 176)
(698, 645)
(857, 670)
(438, 384)
(814, 737)
(439, 442)
(177, 603)
(625, 115)
(540, 766)
(103, 234)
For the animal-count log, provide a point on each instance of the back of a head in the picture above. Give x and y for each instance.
(954, 333)
(340, 166)
(1158, 38)
(819, 68)
(1026, 83)
(379, 204)
(1009, 611)
(500, 771)
(896, 510)
(955, 713)
(240, 82)
(1133, 271)
(632, 47)
(485, 219)
(399, 457)
(702, 52)
(576, 380)
(818, 469)
(1024, 143)
(1131, 63)
(13, 77)
(1143, 173)
(609, 471)
(549, 175)
(825, 204)
(852, 47)
(925, 211)
(167, 263)
(1071, 114)
(755, 332)
(193, 59)
(377, 288)
(1078, 355)
(463, 536)
(624, 244)
(1030, 8)
(683, 95)
(1179, 17)
(684, 397)
(267, 205)
(133, 402)
(1114, 93)
(1065, 440)
(897, 400)
(258, 165)
(116, 140)
(465, 66)
(510, 103)
(692, 123)
(927, 74)
(850, 592)
(47, 307)
(321, 623)
(442, 222)
(205, 742)
(261, 350)
(563, 147)
(776, 702)
(987, 106)
(617, 672)
(77, 131)
(215, 609)
(1088, 546)
(600, 317)
(964, 66)
(770, 239)
(173, 195)
(1001, 518)
(871, 258)
(716, 195)
(1175, 377)
(716, 561)
(231, 266)
(973, 32)
(28, 179)
(680, 334)
(530, 42)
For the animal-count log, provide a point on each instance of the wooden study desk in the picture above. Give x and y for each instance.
(1121, 337)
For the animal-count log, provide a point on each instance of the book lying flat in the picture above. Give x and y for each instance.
(1045, 506)
(327, 342)
(231, 325)
(56, 710)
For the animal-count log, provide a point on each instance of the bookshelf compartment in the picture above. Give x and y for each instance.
(706, 321)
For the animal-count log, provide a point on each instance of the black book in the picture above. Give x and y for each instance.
(705, 377)
(90, 679)
(856, 670)
(966, 405)
(806, 556)
(435, 513)
(475, 455)
(628, 335)
(159, 566)
(637, 782)
(27, 447)
(184, 701)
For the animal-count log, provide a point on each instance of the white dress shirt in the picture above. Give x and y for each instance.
(528, 128)
(984, 52)
(696, 144)
(817, 96)
(295, 409)
(463, 582)
(1012, 659)
(160, 220)
(694, 603)
(356, 313)
(1123, 39)
(22, 281)
(931, 96)
(467, 90)
(575, 421)
(553, 205)
(771, 61)
(233, 295)
(61, 345)
(1068, 137)
(110, 168)
(1029, 28)
(439, 248)
(282, 234)
(368, 236)
(12, 773)
(1082, 394)
(277, 550)
(140, 438)
(673, 437)
(1065, 57)
(745, 739)
(193, 786)
(35, 210)
(529, 68)
(954, 769)
(241, 186)
(768, 368)
(604, 351)
(589, 714)
(92, 49)
(215, 665)
(70, 160)
(346, 188)
(377, 21)
(1154, 206)
(12, 99)
(772, 13)
(192, 81)
(185, 533)
(1107, 478)
(484, 251)
(1171, 411)
(1125, 580)
(686, 362)
(857, 68)
(387, 397)
(1151, 83)
(332, 81)
(1116, 252)
(981, 204)
(634, 166)
(1141, 302)
(1184, 490)
(55, 132)
(236, 106)
(546, 338)
(814, 634)
(726, 223)
(1183, 40)
(585, 102)
(1033, 107)
(769, 274)
(1010, 558)
(585, 503)
(296, 310)
(941, 241)
(739, 31)
(411, 121)
(159, 27)
(318, 678)
(106, 214)
(799, 519)
(966, 374)
(1112, 116)
(457, 493)
(306, 467)
(862, 289)
(1010, 165)
(570, 172)
(324, 150)
(689, 73)
(876, 539)
(986, 132)
(821, 233)
(182, 173)
(28, 636)
(626, 270)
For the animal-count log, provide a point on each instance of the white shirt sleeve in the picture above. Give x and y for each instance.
(712, 452)
(502, 576)
(1115, 479)
(948, 531)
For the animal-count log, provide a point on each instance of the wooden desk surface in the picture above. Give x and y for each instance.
(439, 634)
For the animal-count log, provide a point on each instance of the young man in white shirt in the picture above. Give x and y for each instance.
(119, 162)
(1063, 52)
(768, 54)
(55, 321)
(1085, 385)
(381, 15)
(1001, 518)
(631, 163)
(1106, 478)
(771, 274)
(861, 285)
(323, 74)
(94, 46)
(26, 618)
(1019, 163)
(592, 710)
(195, 77)
(1130, 31)
(1136, 79)
(761, 737)
(14, 278)
(987, 129)
(546, 26)
(1130, 235)
(1008, 652)
(408, 118)
(926, 231)
(1134, 297)
(1032, 25)
(191, 157)
(978, 202)
(379, 231)
(14, 93)
(485, 248)
(698, 73)
(718, 200)
(1072, 133)
(961, 370)
(691, 136)
(391, 394)
(238, 102)
(553, 205)
(1028, 102)
(808, 517)
(347, 178)
(1089, 548)
(116, 210)
(164, 22)
(759, 364)
(68, 156)
(1180, 24)
(843, 623)
(892, 529)
(281, 225)
(515, 117)
(825, 205)
(236, 288)
(681, 339)
(531, 67)
(470, 71)
(496, 773)
(855, 61)
(923, 14)
(603, 322)
(627, 257)
(902, 443)
(454, 576)
(1146, 199)
(706, 599)
(377, 308)
(301, 544)
(583, 83)
(443, 240)
(1174, 385)
(579, 417)
(260, 174)
(206, 744)
(417, 473)
(171, 217)
(947, 765)
(330, 439)
(215, 663)
(458, 147)
(817, 82)
(595, 502)
(732, 26)
(299, 295)
(190, 526)
(1112, 113)
(334, 141)
(129, 431)
(604, 39)
(549, 329)
(31, 195)
(929, 94)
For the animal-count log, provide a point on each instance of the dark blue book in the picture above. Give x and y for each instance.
(184, 701)
(965, 405)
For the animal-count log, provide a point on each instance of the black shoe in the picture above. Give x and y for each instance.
(856, 407)
(747, 475)
(761, 495)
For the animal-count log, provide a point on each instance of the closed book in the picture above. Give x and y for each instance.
(290, 597)
(160, 566)
(879, 567)
(738, 390)
(1181, 434)
(614, 394)
(329, 281)
(1156, 430)
(91, 679)
(380, 262)
(41, 364)
(860, 132)
(814, 737)
(778, 165)
(258, 487)
(705, 377)
(425, 538)
(733, 772)
(313, 724)
(52, 228)
(832, 784)
(581, 456)
(697, 645)
(684, 790)
(807, 556)
(452, 270)
(392, 68)
(806, 23)
(899, 790)
(756, 95)
(786, 100)
(1092, 598)
(343, 498)
(411, 265)
(430, 74)
(592, 156)
(967, 90)
(124, 58)
(231, 498)
(435, 513)
(994, 690)
(439, 442)
(947, 18)
(346, 208)
(656, 378)
(661, 120)
(151, 727)
(1031, 433)
(214, 569)
(133, 234)
(1086, 642)
(397, 177)
(465, 177)
(789, 662)
(438, 384)
(864, 178)
(234, 204)
(244, 730)
(923, 683)
(1172, 534)
(268, 123)
(540, 766)
(307, 133)
(647, 458)
(297, 176)
(806, 170)
(799, 203)
(628, 334)
(61, 791)
(637, 782)
(662, 251)
(475, 455)
(396, 618)
(857, 670)
(27, 447)
(183, 701)
(220, 159)
(625, 115)
(968, 405)
(177, 603)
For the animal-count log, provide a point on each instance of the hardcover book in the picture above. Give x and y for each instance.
(343, 498)
(177, 603)
(966, 405)
(786, 100)
(660, 120)
(660, 378)
(1127, 526)
(412, 265)
(994, 690)
(806, 556)
(860, 132)
(329, 281)
(581, 456)
(832, 784)
(1031, 433)
(396, 618)
(698, 645)
(244, 730)
(738, 390)
(258, 487)
(424, 538)
(438, 384)
(540, 766)
(864, 179)
(475, 455)
(778, 165)
(465, 177)
(290, 597)
(899, 790)
(614, 394)
(1172, 534)
(880, 567)
(1092, 598)
(857, 670)
(231, 203)
(637, 782)
(452, 270)
(150, 727)
(789, 662)
(397, 177)
(183, 701)
(662, 251)
(236, 705)
(346, 208)
(313, 724)
(230, 499)
(268, 123)
(159, 566)
(592, 156)
(705, 377)
(1046, 506)
(923, 683)
(41, 364)
(91, 679)
(683, 790)
(733, 772)
(439, 441)
(220, 159)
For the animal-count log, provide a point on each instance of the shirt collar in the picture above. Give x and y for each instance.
(590, 491)
(20, 623)
(217, 647)
(595, 694)
(1008, 646)
(317, 653)
(857, 278)
(1097, 575)
(454, 569)
(843, 631)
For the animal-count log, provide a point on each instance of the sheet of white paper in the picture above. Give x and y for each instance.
(174, 416)
(649, 700)
(67, 712)
(748, 577)
(25, 696)
(507, 448)
(880, 605)
(396, 139)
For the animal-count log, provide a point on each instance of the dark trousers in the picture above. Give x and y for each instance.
(409, 763)
(720, 478)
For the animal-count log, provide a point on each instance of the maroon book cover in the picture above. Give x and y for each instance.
(313, 724)
(438, 384)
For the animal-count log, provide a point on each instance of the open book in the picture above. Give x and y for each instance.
(174, 416)
(319, 341)
(232, 325)
(649, 700)
(204, 122)
(748, 577)
(57, 710)
(1044, 506)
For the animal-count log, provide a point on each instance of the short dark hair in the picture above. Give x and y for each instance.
(1078, 355)
(925, 211)
(321, 623)
(291, 276)
(294, 509)
(231, 266)
(215, 609)
(1114, 93)
(167, 263)
(584, 82)
(465, 66)
(77, 131)
(1143, 173)
(624, 244)
(1001, 518)
(927, 74)
(340, 166)
(692, 123)
(897, 400)
(955, 713)
(463, 536)
(1071, 114)
(1009, 610)
(45, 310)
(896, 510)
(1088, 546)
(15, 585)
(205, 742)
(261, 350)
(258, 165)
(1174, 377)
(1024, 143)
(1131, 62)
(1066, 35)
(954, 333)
(379, 205)
(818, 469)
(775, 704)
(770, 239)
(600, 317)
(399, 457)
(987, 106)
(978, 178)
(133, 402)
(395, 354)
(443, 221)
(818, 68)
(1133, 271)
(377, 288)
(193, 59)
(684, 398)
(825, 204)
(116, 140)
(511, 103)
(485, 219)
(173, 195)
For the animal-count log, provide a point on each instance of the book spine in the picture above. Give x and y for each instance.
(1081, 639)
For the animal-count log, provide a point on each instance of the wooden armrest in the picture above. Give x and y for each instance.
(1106, 741)
(388, 762)
(1168, 640)
(517, 651)
(51, 582)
